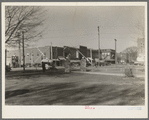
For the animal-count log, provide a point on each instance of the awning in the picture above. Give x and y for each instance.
(61, 58)
(73, 61)
(89, 58)
(55, 59)
(46, 60)
(102, 61)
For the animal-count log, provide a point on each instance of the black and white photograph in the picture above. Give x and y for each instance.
(74, 60)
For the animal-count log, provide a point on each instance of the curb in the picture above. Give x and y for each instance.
(96, 73)
(34, 73)
(113, 74)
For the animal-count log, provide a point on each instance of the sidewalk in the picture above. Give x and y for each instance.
(31, 71)
(106, 73)
(58, 70)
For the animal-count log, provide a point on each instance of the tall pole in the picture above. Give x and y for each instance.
(19, 54)
(23, 51)
(91, 54)
(51, 52)
(115, 52)
(5, 57)
(19, 40)
(63, 52)
(98, 44)
(56, 55)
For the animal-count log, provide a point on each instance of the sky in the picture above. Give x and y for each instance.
(76, 25)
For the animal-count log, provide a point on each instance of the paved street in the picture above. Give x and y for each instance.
(73, 89)
(118, 70)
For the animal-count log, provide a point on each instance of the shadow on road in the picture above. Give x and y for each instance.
(73, 94)
(13, 93)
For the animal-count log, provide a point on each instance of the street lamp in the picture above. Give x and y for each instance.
(115, 52)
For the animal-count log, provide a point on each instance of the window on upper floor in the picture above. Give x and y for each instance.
(27, 54)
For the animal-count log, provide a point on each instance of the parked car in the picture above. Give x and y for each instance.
(138, 63)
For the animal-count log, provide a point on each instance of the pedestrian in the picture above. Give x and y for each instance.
(67, 64)
(96, 62)
(128, 71)
(43, 67)
(83, 64)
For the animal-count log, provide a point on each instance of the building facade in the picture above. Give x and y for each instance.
(36, 55)
(141, 49)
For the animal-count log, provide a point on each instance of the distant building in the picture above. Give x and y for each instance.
(108, 55)
(122, 57)
(141, 46)
(35, 55)
(141, 50)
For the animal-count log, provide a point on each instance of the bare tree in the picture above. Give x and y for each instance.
(138, 29)
(131, 53)
(22, 18)
(118, 57)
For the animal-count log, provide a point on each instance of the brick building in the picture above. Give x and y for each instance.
(34, 55)
(108, 55)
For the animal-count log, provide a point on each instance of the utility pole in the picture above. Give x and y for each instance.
(56, 56)
(23, 51)
(99, 45)
(19, 40)
(91, 54)
(5, 57)
(115, 52)
(19, 54)
(51, 52)
(63, 53)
